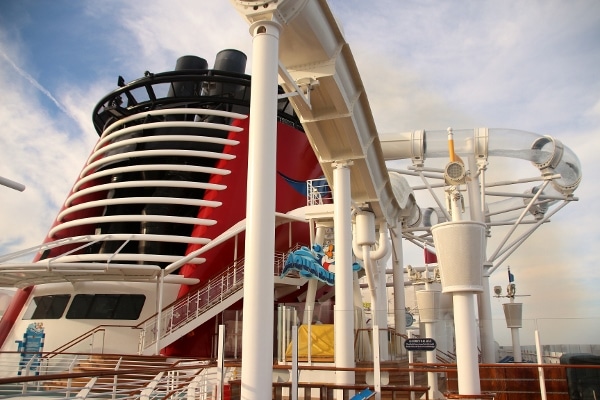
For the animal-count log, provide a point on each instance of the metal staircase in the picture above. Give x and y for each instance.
(191, 311)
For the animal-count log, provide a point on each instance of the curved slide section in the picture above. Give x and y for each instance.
(549, 155)
(317, 68)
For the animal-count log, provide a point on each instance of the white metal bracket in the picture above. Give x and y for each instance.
(301, 87)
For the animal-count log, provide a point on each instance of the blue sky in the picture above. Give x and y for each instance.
(425, 65)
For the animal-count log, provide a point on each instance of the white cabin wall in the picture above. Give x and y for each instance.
(62, 330)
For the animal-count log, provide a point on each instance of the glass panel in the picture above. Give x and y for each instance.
(106, 306)
(47, 307)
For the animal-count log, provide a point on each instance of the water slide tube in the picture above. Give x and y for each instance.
(549, 155)
(554, 161)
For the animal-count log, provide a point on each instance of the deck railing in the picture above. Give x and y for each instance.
(145, 377)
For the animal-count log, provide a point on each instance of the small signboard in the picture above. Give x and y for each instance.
(420, 344)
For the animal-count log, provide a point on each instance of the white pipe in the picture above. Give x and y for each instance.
(381, 309)
(344, 311)
(398, 281)
(376, 363)
(486, 328)
(257, 369)
(367, 262)
(11, 184)
(360, 319)
(383, 247)
(375, 279)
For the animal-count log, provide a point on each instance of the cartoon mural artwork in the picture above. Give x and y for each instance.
(316, 263)
(31, 348)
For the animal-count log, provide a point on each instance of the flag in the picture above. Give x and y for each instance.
(430, 257)
(511, 277)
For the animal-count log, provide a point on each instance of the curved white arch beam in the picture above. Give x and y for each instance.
(332, 104)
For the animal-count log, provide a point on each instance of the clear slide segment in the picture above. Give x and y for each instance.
(549, 155)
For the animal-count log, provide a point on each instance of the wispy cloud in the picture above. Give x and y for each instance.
(35, 84)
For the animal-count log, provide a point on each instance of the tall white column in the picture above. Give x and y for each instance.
(514, 320)
(465, 328)
(257, 363)
(344, 311)
(428, 301)
(460, 252)
(516, 343)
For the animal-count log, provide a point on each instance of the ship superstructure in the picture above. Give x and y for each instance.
(213, 201)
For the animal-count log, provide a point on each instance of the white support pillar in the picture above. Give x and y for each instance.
(465, 328)
(381, 310)
(344, 309)
(309, 303)
(486, 328)
(311, 287)
(398, 278)
(257, 366)
(460, 252)
(428, 301)
(516, 343)
(514, 320)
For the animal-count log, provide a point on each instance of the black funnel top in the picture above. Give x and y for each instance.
(190, 63)
(231, 61)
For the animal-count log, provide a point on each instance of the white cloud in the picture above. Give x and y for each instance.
(150, 36)
(41, 149)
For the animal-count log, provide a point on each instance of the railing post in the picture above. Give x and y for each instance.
(198, 303)
(235, 263)
(294, 394)
(209, 286)
(411, 374)
(280, 333)
(220, 362)
(540, 361)
(159, 311)
(236, 336)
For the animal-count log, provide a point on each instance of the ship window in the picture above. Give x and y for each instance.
(47, 307)
(106, 306)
